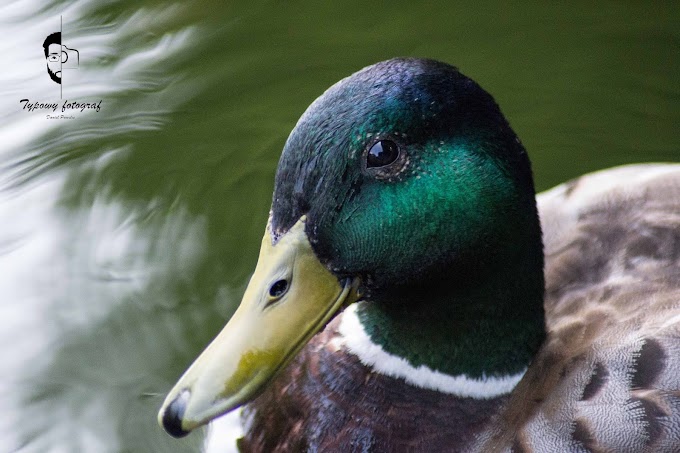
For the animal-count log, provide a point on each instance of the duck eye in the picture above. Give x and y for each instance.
(278, 288)
(382, 153)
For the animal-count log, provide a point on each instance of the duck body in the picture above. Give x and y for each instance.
(607, 378)
(404, 228)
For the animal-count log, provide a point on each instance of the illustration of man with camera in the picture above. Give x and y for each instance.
(57, 55)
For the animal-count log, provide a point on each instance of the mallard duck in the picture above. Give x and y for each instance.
(404, 201)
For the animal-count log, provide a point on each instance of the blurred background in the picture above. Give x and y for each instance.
(127, 235)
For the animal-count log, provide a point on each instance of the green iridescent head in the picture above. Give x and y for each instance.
(409, 176)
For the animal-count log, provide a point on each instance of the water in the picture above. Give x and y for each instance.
(128, 234)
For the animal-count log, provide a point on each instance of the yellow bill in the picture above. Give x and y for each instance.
(290, 297)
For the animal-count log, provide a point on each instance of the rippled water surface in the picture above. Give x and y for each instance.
(127, 234)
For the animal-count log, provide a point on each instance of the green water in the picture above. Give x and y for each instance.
(145, 218)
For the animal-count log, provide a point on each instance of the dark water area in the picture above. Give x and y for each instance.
(128, 233)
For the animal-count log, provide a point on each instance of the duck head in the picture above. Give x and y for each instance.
(402, 185)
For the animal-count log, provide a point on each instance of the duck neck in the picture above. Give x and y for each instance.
(470, 322)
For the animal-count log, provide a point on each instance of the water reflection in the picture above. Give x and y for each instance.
(128, 233)
(95, 281)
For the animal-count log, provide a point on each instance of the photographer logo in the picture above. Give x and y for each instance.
(59, 57)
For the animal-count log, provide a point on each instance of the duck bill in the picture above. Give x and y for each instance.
(290, 297)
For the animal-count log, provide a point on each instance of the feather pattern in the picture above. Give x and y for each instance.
(607, 378)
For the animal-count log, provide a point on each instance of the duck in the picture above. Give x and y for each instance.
(412, 292)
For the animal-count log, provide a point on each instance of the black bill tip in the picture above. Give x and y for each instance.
(172, 417)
